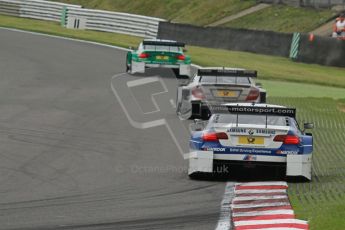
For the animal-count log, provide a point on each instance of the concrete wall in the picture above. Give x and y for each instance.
(263, 42)
(307, 3)
(322, 50)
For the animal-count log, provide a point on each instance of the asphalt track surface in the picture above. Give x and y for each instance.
(69, 157)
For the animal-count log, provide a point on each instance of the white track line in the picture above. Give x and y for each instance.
(276, 221)
(247, 198)
(261, 213)
(248, 191)
(275, 228)
(225, 210)
(66, 38)
(268, 204)
(142, 81)
(264, 183)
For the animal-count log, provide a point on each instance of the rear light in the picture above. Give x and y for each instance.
(198, 93)
(144, 55)
(287, 139)
(253, 94)
(214, 136)
(181, 57)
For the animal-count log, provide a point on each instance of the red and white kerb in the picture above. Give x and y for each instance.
(263, 205)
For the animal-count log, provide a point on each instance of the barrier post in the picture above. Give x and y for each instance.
(295, 45)
(64, 16)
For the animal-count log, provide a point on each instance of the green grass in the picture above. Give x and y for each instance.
(270, 67)
(283, 19)
(322, 201)
(292, 89)
(197, 12)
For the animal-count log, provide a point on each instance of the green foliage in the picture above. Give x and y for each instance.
(283, 19)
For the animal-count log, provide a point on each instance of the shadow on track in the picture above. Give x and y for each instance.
(244, 173)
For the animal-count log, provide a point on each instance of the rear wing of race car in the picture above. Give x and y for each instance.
(228, 72)
(257, 110)
(164, 43)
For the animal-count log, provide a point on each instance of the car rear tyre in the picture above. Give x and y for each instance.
(200, 176)
(128, 67)
(176, 72)
(262, 97)
(205, 114)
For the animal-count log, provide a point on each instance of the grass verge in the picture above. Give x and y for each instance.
(291, 89)
(283, 19)
(322, 201)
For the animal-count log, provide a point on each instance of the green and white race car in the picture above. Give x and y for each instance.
(156, 53)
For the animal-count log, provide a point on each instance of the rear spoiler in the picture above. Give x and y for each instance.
(225, 85)
(227, 72)
(259, 110)
(164, 43)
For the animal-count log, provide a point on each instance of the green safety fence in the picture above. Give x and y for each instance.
(64, 16)
(295, 45)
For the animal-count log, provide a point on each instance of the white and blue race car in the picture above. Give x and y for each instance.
(261, 134)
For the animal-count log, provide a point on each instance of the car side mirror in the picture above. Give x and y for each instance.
(258, 85)
(308, 126)
(197, 125)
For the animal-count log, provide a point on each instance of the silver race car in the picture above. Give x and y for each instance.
(214, 86)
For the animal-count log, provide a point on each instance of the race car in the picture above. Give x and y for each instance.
(258, 134)
(214, 86)
(154, 53)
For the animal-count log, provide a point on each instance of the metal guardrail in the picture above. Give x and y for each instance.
(43, 10)
(10, 7)
(98, 20)
(107, 21)
(36, 9)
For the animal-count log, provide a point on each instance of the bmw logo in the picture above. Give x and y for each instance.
(251, 132)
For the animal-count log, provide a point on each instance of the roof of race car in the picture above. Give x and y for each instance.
(163, 42)
(254, 104)
(158, 40)
(220, 68)
(226, 71)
